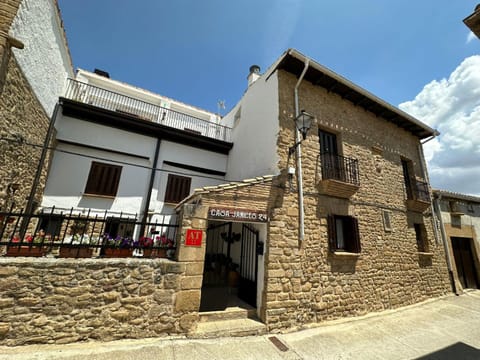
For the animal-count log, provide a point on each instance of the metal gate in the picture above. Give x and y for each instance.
(247, 290)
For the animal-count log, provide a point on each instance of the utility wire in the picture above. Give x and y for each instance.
(20, 140)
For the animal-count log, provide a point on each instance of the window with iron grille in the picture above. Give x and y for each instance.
(103, 179)
(343, 234)
(178, 188)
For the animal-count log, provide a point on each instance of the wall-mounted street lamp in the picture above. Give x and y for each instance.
(303, 122)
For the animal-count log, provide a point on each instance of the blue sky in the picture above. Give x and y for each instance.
(199, 52)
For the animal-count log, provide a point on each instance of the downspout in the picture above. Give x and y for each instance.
(435, 209)
(436, 204)
(301, 212)
(423, 167)
(149, 190)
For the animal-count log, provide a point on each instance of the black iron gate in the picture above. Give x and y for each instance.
(247, 290)
(217, 256)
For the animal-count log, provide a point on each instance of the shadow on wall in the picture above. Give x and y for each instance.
(95, 203)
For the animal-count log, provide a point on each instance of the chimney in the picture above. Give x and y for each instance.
(254, 74)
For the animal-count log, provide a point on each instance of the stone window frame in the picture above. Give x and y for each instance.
(178, 188)
(349, 229)
(387, 220)
(103, 179)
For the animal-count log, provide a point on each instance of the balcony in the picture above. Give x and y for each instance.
(418, 196)
(109, 100)
(339, 175)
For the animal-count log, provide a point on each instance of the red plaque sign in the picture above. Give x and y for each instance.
(193, 237)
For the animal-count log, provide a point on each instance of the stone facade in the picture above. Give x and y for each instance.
(23, 121)
(305, 282)
(460, 220)
(61, 301)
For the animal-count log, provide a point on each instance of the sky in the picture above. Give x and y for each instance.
(416, 55)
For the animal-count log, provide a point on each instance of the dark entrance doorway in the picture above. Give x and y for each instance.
(464, 261)
(231, 266)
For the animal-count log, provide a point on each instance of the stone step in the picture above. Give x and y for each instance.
(231, 327)
(230, 313)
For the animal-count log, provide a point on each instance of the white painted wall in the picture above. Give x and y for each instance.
(471, 215)
(69, 172)
(255, 133)
(182, 154)
(45, 60)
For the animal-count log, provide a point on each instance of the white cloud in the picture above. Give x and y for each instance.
(453, 107)
(470, 37)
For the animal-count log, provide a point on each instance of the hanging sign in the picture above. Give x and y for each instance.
(193, 237)
(234, 214)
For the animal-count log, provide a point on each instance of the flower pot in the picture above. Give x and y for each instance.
(75, 252)
(117, 252)
(233, 278)
(155, 253)
(36, 251)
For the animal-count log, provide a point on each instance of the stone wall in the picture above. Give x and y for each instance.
(59, 301)
(21, 117)
(305, 282)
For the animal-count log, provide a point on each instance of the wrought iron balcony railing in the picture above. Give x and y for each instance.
(110, 100)
(340, 168)
(418, 191)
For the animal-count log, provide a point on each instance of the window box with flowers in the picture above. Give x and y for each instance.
(158, 247)
(77, 246)
(35, 246)
(118, 247)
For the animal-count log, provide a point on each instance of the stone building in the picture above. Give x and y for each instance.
(369, 242)
(459, 217)
(34, 63)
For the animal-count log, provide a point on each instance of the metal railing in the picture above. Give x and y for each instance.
(338, 167)
(419, 191)
(109, 100)
(77, 233)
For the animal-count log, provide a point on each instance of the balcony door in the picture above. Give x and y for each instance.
(331, 165)
(407, 167)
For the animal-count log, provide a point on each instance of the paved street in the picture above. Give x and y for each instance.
(447, 328)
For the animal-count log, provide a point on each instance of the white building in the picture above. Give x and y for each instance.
(125, 150)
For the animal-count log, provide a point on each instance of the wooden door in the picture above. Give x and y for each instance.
(464, 261)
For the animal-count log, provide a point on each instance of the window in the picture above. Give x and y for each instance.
(120, 227)
(178, 188)
(103, 179)
(421, 236)
(343, 234)
(387, 220)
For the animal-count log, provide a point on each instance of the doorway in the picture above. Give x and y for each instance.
(230, 274)
(465, 262)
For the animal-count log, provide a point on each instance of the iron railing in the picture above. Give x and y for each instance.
(418, 191)
(113, 101)
(338, 167)
(77, 233)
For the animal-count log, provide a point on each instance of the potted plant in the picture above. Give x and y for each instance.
(77, 246)
(30, 246)
(118, 246)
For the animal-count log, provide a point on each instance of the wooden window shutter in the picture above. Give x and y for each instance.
(332, 236)
(356, 247)
(103, 179)
(178, 188)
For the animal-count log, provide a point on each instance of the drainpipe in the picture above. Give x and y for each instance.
(435, 209)
(423, 167)
(149, 190)
(436, 204)
(301, 212)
